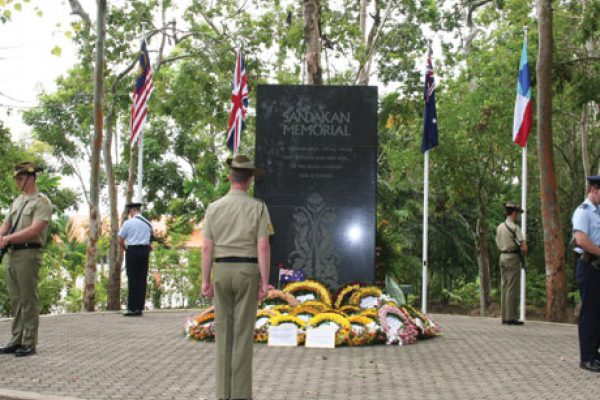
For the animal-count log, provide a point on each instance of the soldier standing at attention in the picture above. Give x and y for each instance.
(512, 246)
(135, 237)
(586, 232)
(236, 233)
(24, 233)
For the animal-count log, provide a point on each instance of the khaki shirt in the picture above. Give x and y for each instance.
(234, 223)
(504, 238)
(37, 208)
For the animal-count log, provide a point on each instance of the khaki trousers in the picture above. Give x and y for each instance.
(22, 281)
(236, 292)
(510, 269)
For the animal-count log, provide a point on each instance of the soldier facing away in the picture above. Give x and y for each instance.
(236, 234)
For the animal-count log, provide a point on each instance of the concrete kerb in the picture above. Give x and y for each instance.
(18, 395)
(110, 312)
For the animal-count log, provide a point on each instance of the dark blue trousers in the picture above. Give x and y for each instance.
(588, 279)
(136, 263)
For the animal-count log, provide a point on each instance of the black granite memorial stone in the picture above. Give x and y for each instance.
(319, 147)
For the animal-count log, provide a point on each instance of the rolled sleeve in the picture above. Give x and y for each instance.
(43, 212)
(207, 229)
(265, 228)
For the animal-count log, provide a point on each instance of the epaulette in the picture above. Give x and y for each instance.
(584, 206)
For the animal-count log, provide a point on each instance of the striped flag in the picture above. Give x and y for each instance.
(239, 104)
(430, 128)
(523, 105)
(141, 95)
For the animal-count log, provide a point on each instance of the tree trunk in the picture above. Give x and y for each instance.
(89, 294)
(483, 259)
(312, 38)
(114, 276)
(363, 19)
(554, 250)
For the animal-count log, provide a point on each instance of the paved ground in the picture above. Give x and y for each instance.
(106, 356)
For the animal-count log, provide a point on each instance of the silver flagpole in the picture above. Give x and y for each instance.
(524, 207)
(425, 230)
(523, 227)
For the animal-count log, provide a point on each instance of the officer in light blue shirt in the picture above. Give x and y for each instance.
(586, 232)
(135, 236)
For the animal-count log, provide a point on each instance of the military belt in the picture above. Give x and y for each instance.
(137, 246)
(25, 246)
(511, 252)
(237, 259)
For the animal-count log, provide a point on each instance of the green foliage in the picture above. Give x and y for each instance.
(465, 294)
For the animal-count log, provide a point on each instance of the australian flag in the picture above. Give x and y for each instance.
(430, 129)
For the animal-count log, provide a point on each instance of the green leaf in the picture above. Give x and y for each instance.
(56, 51)
(18, 6)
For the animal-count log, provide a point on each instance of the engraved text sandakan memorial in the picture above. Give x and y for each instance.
(319, 146)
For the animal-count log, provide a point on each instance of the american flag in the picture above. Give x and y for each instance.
(239, 104)
(141, 95)
(430, 129)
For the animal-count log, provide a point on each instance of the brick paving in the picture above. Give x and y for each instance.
(105, 356)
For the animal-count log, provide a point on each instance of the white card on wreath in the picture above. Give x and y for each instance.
(283, 336)
(322, 337)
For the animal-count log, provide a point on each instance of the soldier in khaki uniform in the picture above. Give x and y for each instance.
(23, 233)
(512, 246)
(236, 234)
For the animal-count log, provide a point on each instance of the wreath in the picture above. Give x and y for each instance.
(338, 320)
(282, 309)
(363, 330)
(344, 293)
(261, 326)
(370, 313)
(309, 290)
(427, 327)
(278, 297)
(305, 312)
(397, 325)
(350, 310)
(201, 327)
(284, 319)
(319, 305)
(367, 297)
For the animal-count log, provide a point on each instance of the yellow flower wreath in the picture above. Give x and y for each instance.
(364, 293)
(343, 332)
(317, 289)
(343, 296)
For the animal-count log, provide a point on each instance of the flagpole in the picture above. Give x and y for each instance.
(524, 207)
(523, 224)
(425, 230)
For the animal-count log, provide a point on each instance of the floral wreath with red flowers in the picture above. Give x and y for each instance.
(397, 325)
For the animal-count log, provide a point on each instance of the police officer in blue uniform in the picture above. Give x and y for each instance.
(135, 236)
(586, 232)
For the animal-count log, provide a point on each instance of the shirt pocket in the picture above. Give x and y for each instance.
(26, 217)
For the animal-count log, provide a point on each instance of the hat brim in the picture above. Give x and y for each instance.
(256, 172)
(133, 205)
(25, 171)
